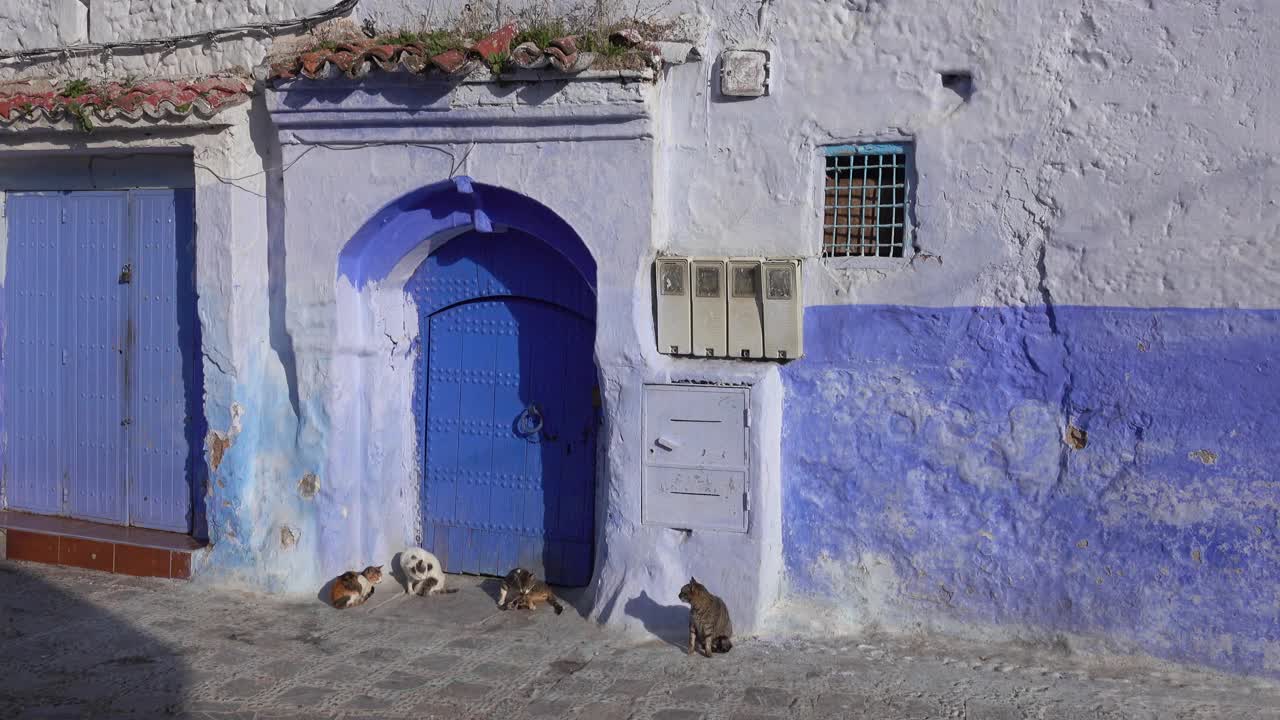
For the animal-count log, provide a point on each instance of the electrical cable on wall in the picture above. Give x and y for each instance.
(211, 36)
(456, 163)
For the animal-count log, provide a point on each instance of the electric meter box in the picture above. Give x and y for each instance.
(710, 311)
(671, 286)
(783, 310)
(696, 458)
(746, 310)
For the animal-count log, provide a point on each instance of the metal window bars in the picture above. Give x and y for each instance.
(865, 205)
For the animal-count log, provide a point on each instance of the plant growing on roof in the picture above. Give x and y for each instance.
(435, 42)
(541, 32)
(76, 88)
(80, 113)
(498, 62)
(404, 37)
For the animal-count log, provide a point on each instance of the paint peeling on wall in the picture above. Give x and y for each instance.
(218, 443)
(308, 486)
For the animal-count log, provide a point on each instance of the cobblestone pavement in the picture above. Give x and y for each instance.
(82, 644)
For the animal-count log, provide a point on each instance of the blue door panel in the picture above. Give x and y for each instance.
(100, 332)
(509, 340)
(160, 439)
(96, 313)
(33, 367)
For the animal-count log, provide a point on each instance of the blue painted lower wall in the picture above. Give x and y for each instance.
(934, 443)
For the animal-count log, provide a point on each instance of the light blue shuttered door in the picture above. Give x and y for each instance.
(34, 371)
(94, 311)
(97, 313)
(165, 369)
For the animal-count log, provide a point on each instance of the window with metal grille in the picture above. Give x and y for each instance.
(865, 201)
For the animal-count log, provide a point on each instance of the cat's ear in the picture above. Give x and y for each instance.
(378, 568)
(693, 580)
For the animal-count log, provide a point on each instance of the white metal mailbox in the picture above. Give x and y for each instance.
(675, 332)
(696, 457)
(710, 321)
(783, 311)
(746, 311)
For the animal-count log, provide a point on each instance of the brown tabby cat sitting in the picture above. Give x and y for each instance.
(709, 624)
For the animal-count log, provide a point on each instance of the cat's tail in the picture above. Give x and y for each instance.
(721, 644)
(342, 602)
(555, 605)
(447, 591)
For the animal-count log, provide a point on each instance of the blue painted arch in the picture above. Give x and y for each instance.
(452, 206)
(505, 293)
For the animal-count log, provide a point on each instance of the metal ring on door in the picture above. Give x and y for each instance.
(530, 421)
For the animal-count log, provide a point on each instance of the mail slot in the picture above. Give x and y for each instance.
(696, 459)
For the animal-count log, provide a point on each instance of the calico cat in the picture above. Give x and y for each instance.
(423, 574)
(709, 624)
(525, 592)
(353, 588)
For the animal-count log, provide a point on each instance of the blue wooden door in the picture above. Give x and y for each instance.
(35, 374)
(509, 405)
(165, 382)
(94, 241)
(94, 353)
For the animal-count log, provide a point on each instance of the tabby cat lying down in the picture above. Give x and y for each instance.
(525, 592)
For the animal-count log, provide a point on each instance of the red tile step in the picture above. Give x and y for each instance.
(107, 548)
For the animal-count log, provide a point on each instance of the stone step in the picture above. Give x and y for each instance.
(94, 546)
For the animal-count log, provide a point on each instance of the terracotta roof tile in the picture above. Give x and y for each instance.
(496, 44)
(357, 59)
(34, 100)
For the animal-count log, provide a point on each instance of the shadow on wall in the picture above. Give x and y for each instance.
(669, 623)
(61, 655)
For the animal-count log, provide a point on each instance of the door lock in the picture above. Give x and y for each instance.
(530, 421)
(126, 274)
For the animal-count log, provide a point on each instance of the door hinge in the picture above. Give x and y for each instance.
(746, 416)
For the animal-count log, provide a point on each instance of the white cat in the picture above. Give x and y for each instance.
(422, 572)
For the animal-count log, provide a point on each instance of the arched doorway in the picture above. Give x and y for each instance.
(504, 389)
(506, 382)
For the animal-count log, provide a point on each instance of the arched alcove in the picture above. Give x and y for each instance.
(504, 383)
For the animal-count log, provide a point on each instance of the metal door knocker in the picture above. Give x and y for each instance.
(530, 421)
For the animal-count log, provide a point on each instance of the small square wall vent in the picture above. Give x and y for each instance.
(744, 73)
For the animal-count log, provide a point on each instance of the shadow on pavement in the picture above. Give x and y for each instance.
(66, 656)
